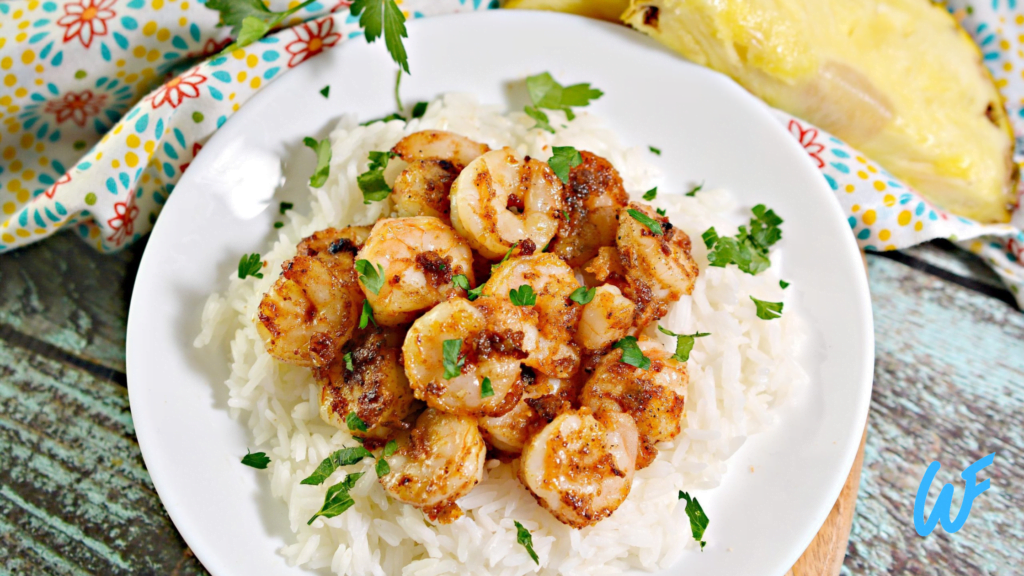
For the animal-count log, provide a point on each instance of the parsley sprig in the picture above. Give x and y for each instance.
(366, 316)
(250, 265)
(258, 460)
(684, 343)
(653, 225)
(323, 160)
(583, 296)
(523, 296)
(748, 250)
(524, 537)
(451, 352)
(370, 276)
(338, 500)
(767, 310)
(698, 519)
(384, 17)
(632, 354)
(462, 281)
(563, 159)
(547, 93)
(249, 20)
(371, 182)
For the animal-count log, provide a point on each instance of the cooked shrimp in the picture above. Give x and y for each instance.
(419, 257)
(660, 262)
(367, 378)
(422, 189)
(654, 397)
(500, 199)
(440, 461)
(491, 339)
(605, 319)
(439, 145)
(593, 196)
(580, 466)
(553, 282)
(544, 399)
(312, 309)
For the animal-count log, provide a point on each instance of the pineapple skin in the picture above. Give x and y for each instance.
(898, 79)
(610, 10)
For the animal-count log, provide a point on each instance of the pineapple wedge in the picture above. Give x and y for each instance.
(610, 10)
(897, 79)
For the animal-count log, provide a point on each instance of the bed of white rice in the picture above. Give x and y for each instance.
(738, 377)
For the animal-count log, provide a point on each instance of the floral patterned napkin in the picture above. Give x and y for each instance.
(104, 103)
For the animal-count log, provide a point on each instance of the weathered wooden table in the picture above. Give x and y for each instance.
(75, 497)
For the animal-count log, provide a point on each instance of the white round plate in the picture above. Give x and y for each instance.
(708, 129)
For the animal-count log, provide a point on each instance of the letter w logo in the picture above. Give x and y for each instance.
(941, 511)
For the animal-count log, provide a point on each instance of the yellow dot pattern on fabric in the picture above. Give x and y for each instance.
(904, 217)
(869, 217)
(879, 185)
(889, 200)
(884, 235)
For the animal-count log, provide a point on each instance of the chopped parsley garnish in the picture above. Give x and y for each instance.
(419, 109)
(767, 310)
(348, 362)
(343, 457)
(654, 150)
(546, 92)
(564, 158)
(684, 343)
(388, 118)
(783, 284)
(278, 224)
(372, 278)
(661, 211)
(698, 519)
(382, 467)
(366, 316)
(390, 448)
(486, 390)
(631, 353)
(524, 296)
(462, 281)
(250, 265)
(506, 256)
(583, 296)
(451, 350)
(651, 194)
(695, 189)
(653, 225)
(323, 160)
(524, 537)
(249, 20)
(372, 182)
(355, 423)
(748, 250)
(258, 460)
(325, 91)
(383, 16)
(285, 206)
(337, 499)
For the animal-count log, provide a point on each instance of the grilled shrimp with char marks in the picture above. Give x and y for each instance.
(368, 378)
(313, 307)
(440, 461)
(419, 256)
(594, 196)
(500, 199)
(423, 188)
(439, 145)
(605, 319)
(553, 282)
(654, 398)
(580, 466)
(544, 398)
(492, 337)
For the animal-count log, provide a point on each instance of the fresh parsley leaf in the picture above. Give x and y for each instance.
(372, 182)
(398, 96)
(278, 224)
(462, 281)
(631, 353)
(326, 91)
(661, 211)
(524, 296)
(651, 194)
(390, 448)
(684, 343)
(382, 467)
(546, 92)
(653, 225)
(697, 188)
(698, 519)
(524, 537)
(542, 119)
(451, 350)
(486, 390)
(285, 206)
(354, 422)
(654, 150)
(748, 250)
(323, 160)
(258, 460)
(249, 20)
(388, 118)
(583, 296)
(250, 265)
(506, 256)
(384, 16)
(767, 310)
(343, 457)
(418, 110)
(783, 284)
(372, 278)
(337, 499)
(366, 316)
(564, 158)
(348, 362)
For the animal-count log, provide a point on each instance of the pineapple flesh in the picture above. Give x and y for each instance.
(897, 79)
(610, 10)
